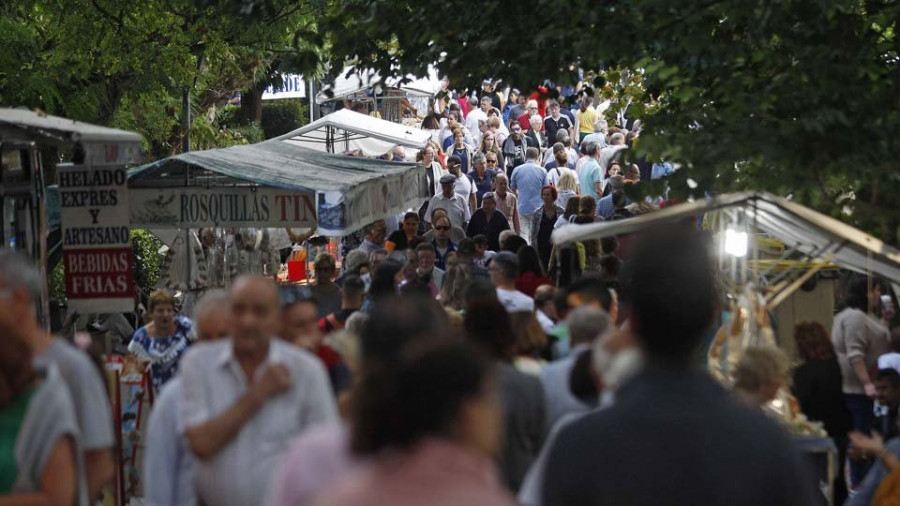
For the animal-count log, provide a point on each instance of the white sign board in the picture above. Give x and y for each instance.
(94, 206)
(293, 86)
(222, 207)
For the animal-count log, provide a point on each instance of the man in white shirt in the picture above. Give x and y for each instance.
(463, 187)
(457, 208)
(168, 464)
(244, 398)
(477, 115)
(504, 271)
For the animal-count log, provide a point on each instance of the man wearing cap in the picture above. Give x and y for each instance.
(555, 121)
(487, 90)
(464, 186)
(477, 115)
(488, 221)
(457, 208)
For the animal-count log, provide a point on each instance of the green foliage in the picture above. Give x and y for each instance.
(797, 97)
(147, 260)
(125, 64)
(282, 116)
(57, 283)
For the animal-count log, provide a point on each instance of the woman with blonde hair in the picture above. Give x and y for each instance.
(762, 371)
(567, 187)
(453, 290)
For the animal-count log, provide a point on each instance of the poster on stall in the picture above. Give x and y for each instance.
(93, 200)
(343, 212)
(253, 207)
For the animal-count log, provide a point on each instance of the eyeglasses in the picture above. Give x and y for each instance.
(492, 161)
(442, 227)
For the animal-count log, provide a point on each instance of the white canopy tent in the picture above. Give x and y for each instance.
(798, 227)
(350, 83)
(346, 130)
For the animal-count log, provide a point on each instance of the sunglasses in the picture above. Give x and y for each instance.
(492, 161)
(442, 227)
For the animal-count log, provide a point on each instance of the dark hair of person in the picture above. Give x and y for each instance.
(591, 246)
(431, 122)
(889, 375)
(353, 286)
(16, 370)
(513, 243)
(672, 308)
(530, 337)
(416, 241)
(420, 396)
(416, 288)
(895, 340)
(610, 265)
(426, 246)
(609, 244)
(383, 280)
(411, 216)
(572, 206)
(581, 379)
(488, 326)
(587, 206)
(479, 289)
(858, 292)
(813, 342)
(530, 261)
(390, 327)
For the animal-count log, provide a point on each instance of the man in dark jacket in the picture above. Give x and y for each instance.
(674, 436)
(488, 221)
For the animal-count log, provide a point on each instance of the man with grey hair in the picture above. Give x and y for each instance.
(398, 154)
(168, 464)
(245, 397)
(608, 153)
(590, 175)
(504, 271)
(586, 324)
(21, 286)
(375, 234)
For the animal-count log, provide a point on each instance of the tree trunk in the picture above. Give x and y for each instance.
(251, 105)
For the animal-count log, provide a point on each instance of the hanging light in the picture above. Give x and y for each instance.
(735, 242)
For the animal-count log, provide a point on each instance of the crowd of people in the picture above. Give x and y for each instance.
(463, 358)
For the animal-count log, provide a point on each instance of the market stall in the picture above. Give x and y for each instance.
(345, 130)
(780, 262)
(367, 87)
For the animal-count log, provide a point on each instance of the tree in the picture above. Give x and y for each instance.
(126, 64)
(797, 97)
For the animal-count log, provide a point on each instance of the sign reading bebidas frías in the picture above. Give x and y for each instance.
(95, 216)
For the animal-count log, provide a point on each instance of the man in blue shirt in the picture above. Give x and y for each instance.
(528, 179)
(590, 177)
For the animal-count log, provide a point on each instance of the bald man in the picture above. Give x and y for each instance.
(244, 398)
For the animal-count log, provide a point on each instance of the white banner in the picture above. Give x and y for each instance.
(95, 225)
(222, 207)
(293, 86)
